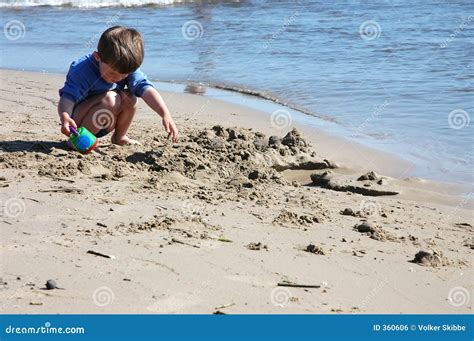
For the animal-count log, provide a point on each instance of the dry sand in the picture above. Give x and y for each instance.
(215, 222)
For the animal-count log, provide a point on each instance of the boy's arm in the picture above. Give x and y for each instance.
(65, 108)
(156, 102)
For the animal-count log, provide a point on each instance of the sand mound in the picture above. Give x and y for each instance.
(230, 153)
(287, 217)
(433, 259)
(232, 156)
(469, 242)
(344, 183)
(257, 246)
(317, 250)
(374, 232)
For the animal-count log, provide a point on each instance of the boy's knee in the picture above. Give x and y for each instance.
(128, 100)
(112, 100)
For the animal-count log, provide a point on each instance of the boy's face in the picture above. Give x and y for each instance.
(107, 73)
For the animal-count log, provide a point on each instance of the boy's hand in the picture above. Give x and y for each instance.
(65, 107)
(170, 128)
(155, 101)
(65, 124)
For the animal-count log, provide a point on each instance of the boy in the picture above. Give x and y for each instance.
(94, 94)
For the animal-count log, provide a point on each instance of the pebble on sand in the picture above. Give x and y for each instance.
(51, 284)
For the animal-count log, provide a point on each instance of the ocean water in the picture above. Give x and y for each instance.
(395, 75)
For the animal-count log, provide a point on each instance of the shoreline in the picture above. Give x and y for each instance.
(334, 145)
(92, 6)
(334, 135)
(329, 127)
(215, 222)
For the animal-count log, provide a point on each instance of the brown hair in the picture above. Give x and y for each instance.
(122, 48)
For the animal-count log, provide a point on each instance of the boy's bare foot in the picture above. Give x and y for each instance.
(124, 140)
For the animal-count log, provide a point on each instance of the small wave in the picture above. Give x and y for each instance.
(262, 95)
(271, 97)
(89, 3)
(462, 90)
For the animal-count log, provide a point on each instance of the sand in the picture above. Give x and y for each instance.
(217, 221)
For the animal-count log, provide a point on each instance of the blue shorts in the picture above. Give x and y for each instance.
(101, 133)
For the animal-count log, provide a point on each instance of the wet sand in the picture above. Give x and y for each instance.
(216, 222)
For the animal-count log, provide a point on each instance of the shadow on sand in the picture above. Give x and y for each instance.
(32, 146)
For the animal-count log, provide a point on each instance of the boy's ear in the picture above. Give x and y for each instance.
(96, 56)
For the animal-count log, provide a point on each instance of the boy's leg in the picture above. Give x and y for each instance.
(98, 112)
(108, 111)
(124, 119)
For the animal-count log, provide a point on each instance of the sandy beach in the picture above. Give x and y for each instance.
(238, 217)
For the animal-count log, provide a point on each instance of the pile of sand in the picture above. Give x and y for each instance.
(374, 232)
(433, 259)
(286, 217)
(233, 156)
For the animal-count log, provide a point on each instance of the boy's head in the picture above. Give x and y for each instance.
(120, 51)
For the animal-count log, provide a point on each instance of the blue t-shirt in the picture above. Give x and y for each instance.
(83, 80)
